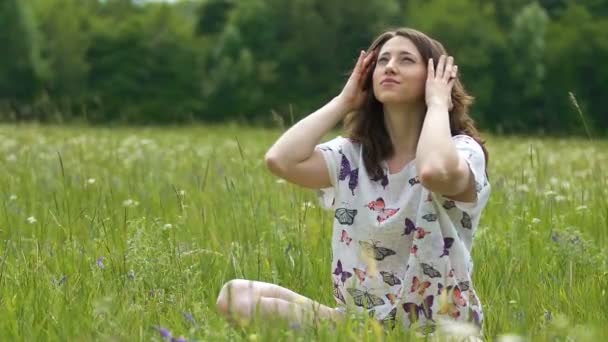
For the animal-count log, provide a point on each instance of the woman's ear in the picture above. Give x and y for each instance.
(450, 104)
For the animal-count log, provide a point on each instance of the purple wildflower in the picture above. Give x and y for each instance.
(179, 339)
(100, 262)
(164, 332)
(188, 316)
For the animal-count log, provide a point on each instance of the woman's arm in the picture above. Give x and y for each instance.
(440, 167)
(293, 156)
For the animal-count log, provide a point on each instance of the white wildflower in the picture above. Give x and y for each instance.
(458, 331)
(11, 158)
(553, 180)
(560, 198)
(307, 204)
(512, 301)
(12, 198)
(182, 192)
(535, 220)
(566, 185)
(91, 181)
(581, 208)
(31, 220)
(510, 338)
(130, 203)
(280, 181)
(550, 193)
(167, 226)
(523, 188)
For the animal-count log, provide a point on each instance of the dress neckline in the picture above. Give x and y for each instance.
(403, 170)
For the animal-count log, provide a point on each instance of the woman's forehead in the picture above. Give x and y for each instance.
(399, 44)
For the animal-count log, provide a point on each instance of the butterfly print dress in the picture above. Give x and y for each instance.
(400, 252)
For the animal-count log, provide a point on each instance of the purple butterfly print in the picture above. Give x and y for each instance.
(341, 273)
(447, 243)
(382, 179)
(345, 171)
(413, 311)
(409, 227)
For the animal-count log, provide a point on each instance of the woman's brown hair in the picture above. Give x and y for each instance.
(364, 127)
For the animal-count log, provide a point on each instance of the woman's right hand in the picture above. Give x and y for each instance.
(353, 94)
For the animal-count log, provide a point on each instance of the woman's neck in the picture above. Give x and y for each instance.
(404, 124)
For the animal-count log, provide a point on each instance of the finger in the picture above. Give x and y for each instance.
(455, 71)
(447, 74)
(430, 69)
(454, 77)
(440, 67)
(369, 57)
(361, 56)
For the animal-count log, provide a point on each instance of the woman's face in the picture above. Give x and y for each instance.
(400, 73)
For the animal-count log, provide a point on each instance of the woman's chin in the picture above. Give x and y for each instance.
(391, 99)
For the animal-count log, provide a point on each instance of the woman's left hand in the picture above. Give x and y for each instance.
(439, 83)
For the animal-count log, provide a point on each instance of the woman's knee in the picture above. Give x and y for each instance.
(229, 295)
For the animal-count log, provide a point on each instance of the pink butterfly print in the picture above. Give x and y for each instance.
(380, 208)
(361, 274)
(419, 286)
(413, 249)
(392, 297)
(346, 172)
(345, 238)
(421, 233)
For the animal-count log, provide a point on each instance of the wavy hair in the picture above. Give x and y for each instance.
(363, 126)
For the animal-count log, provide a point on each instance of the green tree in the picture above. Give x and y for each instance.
(475, 41)
(21, 66)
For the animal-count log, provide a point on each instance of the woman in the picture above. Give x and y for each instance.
(408, 186)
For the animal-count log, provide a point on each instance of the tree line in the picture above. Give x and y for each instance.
(259, 61)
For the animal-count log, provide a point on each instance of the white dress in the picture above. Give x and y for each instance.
(401, 252)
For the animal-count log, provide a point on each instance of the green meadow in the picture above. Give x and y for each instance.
(107, 234)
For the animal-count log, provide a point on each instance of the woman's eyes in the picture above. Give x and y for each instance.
(384, 60)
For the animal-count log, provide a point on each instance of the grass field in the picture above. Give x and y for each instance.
(108, 234)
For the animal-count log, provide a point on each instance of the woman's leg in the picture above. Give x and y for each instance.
(240, 299)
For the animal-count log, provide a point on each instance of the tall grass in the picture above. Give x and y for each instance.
(109, 234)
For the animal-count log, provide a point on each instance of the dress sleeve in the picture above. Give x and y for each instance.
(471, 151)
(332, 151)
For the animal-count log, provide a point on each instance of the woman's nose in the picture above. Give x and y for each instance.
(389, 68)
